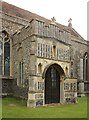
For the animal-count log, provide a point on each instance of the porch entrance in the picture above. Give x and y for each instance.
(52, 84)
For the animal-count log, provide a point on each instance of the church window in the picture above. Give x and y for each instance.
(43, 50)
(49, 52)
(46, 51)
(38, 49)
(5, 43)
(7, 59)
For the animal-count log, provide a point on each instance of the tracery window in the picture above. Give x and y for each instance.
(38, 50)
(43, 50)
(7, 58)
(5, 47)
(49, 51)
(46, 51)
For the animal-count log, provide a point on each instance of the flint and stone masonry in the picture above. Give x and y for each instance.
(43, 61)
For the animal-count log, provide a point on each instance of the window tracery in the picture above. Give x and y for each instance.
(5, 56)
(49, 51)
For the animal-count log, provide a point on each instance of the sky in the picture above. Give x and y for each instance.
(62, 10)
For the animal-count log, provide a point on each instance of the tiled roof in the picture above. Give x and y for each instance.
(19, 12)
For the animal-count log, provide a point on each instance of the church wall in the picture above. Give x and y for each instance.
(78, 50)
(12, 24)
(51, 30)
(7, 88)
(24, 57)
(55, 46)
(36, 82)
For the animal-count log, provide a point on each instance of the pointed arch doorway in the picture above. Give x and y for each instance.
(52, 83)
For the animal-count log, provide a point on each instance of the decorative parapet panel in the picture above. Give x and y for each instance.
(52, 31)
(70, 90)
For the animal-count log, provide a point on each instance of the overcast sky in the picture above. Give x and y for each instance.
(62, 10)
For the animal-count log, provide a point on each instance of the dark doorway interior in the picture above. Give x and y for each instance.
(52, 85)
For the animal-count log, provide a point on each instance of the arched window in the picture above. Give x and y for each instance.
(85, 67)
(7, 58)
(5, 53)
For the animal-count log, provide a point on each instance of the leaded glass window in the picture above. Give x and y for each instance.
(7, 59)
(6, 53)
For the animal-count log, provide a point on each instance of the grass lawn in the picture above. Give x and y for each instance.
(12, 108)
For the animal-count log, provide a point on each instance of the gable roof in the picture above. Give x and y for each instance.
(19, 12)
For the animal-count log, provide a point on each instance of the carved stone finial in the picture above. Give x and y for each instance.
(70, 20)
(70, 24)
(53, 19)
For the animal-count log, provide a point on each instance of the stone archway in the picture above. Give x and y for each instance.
(53, 83)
